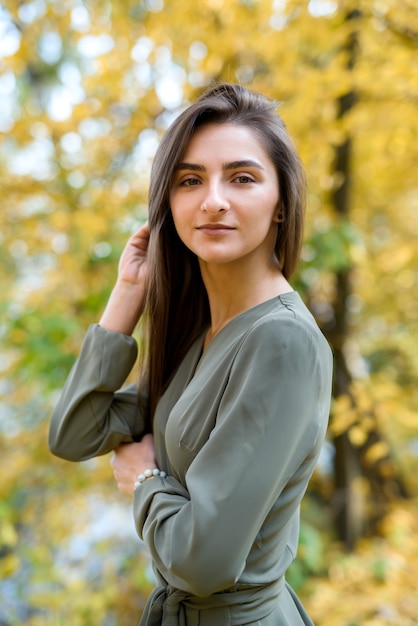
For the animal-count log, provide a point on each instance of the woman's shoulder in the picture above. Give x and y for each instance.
(279, 326)
(285, 311)
(284, 321)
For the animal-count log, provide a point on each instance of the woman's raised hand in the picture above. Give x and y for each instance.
(127, 299)
(133, 261)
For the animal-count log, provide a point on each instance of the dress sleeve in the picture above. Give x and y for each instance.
(270, 426)
(92, 417)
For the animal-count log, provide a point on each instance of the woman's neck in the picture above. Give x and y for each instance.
(230, 293)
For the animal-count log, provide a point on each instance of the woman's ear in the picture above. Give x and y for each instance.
(279, 215)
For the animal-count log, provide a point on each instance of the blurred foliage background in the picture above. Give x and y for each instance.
(86, 90)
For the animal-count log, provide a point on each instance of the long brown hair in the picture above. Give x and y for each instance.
(177, 303)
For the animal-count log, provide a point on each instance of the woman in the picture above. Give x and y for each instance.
(219, 439)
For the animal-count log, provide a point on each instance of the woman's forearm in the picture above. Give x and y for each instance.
(123, 309)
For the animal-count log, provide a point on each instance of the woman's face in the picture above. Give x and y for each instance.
(225, 196)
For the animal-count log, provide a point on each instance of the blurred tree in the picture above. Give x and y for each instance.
(353, 445)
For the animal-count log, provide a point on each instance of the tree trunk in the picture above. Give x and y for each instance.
(354, 514)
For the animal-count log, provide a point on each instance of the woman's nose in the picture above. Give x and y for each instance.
(215, 201)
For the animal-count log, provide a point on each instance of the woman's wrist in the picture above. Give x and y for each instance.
(146, 474)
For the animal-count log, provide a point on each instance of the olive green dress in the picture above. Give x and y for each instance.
(238, 432)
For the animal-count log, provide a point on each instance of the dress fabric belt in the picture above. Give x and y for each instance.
(242, 604)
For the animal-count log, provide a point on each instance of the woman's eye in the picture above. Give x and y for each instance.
(189, 182)
(243, 179)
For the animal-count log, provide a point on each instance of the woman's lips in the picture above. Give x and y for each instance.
(215, 229)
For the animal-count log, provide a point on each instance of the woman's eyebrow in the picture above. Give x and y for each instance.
(191, 166)
(234, 165)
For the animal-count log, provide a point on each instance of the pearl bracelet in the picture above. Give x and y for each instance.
(148, 473)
